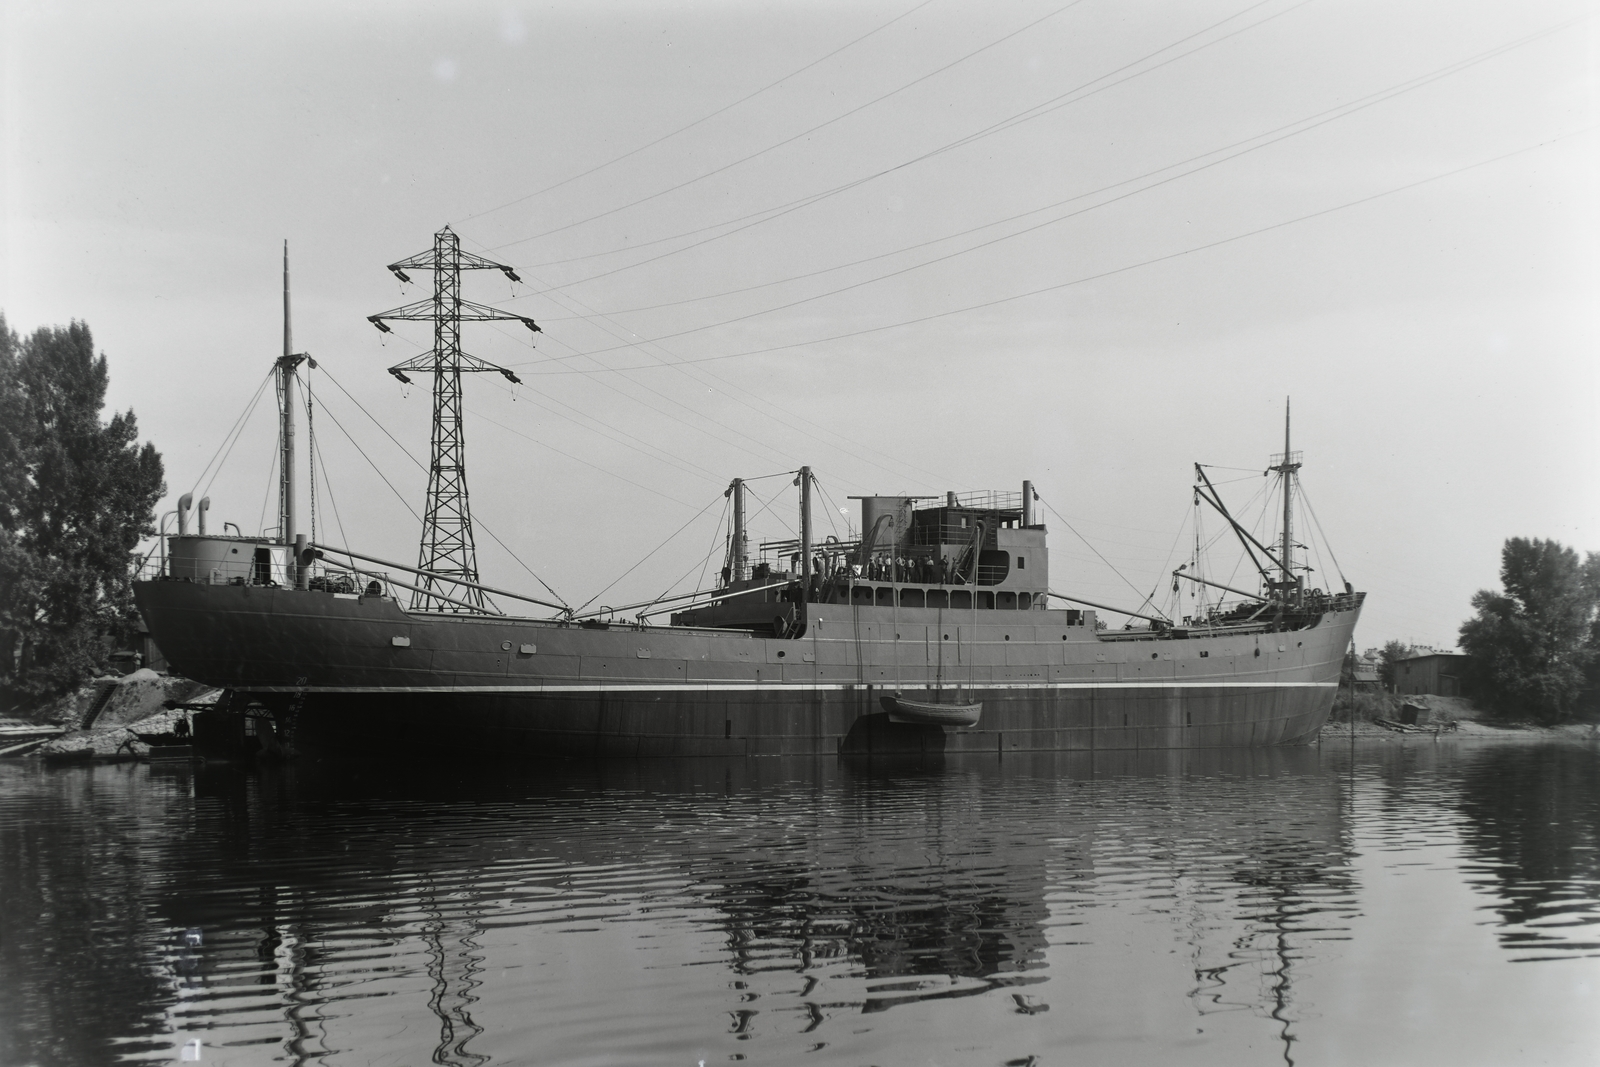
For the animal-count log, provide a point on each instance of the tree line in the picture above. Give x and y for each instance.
(1534, 645)
(77, 494)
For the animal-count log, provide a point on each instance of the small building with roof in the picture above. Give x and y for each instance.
(1440, 673)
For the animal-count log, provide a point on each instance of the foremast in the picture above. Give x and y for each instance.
(287, 365)
(1286, 466)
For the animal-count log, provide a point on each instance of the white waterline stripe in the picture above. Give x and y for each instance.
(752, 687)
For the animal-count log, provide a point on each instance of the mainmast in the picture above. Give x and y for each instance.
(447, 543)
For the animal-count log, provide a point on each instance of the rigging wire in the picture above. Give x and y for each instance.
(832, 507)
(1091, 547)
(722, 523)
(652, 552)
(796, 137)
(311, 449)
(575, 459)
(1329, 544)
(704, 118)
(777, 516)
(333, 501)
(234, 433)
(934, 316)
(659, 455)
(698, 376)
(261, 520)
(596, 376)
(375, 468)
(701, 563)
(478, 522)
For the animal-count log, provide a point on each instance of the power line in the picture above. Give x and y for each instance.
(699, 376)
(1305, 125)
(1098, 276)
(1026, 115)
(799, 136)
(704, 118)
(1266, 139)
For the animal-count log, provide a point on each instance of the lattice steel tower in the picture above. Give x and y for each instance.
(447, 544)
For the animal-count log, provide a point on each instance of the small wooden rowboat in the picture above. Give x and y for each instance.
(931, 714)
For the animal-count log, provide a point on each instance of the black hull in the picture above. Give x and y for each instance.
(645, 724)
(365, 676)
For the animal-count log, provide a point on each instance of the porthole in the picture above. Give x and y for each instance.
(1258, 653)
(1008, 637)
(505, 646)
(780, 653)
(947, 637)
(1063, 637)
(1155, 655)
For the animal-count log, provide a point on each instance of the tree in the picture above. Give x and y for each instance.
(1393, 652)
(1530, 645)
(76, 496)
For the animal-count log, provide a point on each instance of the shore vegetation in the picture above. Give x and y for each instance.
(1535, 643)
(77, 494)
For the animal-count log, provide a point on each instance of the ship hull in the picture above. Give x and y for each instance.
(364, 676)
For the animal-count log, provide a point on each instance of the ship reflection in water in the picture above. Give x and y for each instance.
(1426, 904)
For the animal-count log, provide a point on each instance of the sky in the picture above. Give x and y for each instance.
(919, 246)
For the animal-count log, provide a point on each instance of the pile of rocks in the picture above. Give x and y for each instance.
(134, 706)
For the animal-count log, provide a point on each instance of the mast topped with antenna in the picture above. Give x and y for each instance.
(1286, 465)
(286, 365)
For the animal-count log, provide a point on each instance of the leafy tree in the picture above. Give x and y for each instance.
(76, 496)
(1393, 652)
(1531, 644)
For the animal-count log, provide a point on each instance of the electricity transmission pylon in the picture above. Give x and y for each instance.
(447, 544)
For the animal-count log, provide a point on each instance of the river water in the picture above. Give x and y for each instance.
(1417, 903)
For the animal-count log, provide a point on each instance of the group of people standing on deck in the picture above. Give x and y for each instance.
(917, 569)
(924, 570)
(826, 570)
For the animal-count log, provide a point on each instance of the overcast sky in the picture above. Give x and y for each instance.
(919, 246)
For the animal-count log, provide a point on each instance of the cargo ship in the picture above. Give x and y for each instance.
(936, 630)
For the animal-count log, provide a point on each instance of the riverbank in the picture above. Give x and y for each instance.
(1464, 730)
(107, 718)
(1432, 716)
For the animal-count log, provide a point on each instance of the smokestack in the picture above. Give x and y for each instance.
(1027, 503)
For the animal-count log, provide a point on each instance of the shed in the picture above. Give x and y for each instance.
(1431, 672)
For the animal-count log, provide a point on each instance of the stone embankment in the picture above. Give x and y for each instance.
(104, 719)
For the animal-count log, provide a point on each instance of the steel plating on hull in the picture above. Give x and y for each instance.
(366, 668)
